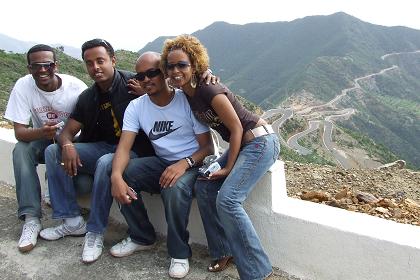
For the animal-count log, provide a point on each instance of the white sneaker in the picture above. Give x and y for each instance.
(62, 230)
(128, 247)
(29, 236)
(92, 249)
(179, 268)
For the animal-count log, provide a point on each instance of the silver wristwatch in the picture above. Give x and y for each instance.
(190, 161)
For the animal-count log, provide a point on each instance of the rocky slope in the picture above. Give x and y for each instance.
(390, 192)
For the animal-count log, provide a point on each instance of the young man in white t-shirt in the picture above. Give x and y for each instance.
(38, 106)
(180, 142)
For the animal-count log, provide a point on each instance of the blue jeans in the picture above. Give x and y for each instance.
(227, 225)
(62, 191)
(26, 157)
(101, 197)
(142, 174)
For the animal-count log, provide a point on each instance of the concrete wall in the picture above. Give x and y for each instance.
(7, 142)
(308, 240)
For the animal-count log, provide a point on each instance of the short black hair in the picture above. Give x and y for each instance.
(40, 48)
(97, 43)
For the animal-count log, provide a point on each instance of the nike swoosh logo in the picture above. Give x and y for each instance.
(153, 136)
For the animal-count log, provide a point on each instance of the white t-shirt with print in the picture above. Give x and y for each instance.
(172, 129)
(28, 102)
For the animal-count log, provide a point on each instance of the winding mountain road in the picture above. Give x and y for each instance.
(293, 141)
(317, 115)
(327, 113)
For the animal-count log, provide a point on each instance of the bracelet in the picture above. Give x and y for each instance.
(68, 144)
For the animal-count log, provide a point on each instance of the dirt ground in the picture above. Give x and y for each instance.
(390, 192)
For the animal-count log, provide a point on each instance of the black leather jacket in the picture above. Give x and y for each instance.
(87, 111)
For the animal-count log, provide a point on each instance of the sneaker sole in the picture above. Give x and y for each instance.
(143, 248)
(90, 261)
(70, 235)
(26, 249)
(178, 276)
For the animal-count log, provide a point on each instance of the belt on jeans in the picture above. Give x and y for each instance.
(257, 132)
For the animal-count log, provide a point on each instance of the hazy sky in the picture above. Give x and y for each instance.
(130, 24)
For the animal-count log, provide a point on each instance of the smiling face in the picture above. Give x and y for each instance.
(43, 67)
(100, 66)
(179, 68)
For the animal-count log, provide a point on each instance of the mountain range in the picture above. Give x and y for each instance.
(310, 61)
(360, 77)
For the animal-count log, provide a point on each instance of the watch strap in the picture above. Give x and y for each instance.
(190, 161)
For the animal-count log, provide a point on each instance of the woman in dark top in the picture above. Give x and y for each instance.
(253, 148)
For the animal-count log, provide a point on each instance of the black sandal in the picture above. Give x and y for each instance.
(220, 264)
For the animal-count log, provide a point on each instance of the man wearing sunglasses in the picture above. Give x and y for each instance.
(180, 142)
(99, 115)
(45, 99)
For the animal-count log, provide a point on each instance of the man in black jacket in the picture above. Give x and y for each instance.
(99, 116)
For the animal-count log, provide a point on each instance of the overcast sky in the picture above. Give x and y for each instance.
(130, 24)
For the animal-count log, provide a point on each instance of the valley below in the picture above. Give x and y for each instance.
(320, 119)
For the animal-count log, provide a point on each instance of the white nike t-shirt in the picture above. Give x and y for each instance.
(172, 129)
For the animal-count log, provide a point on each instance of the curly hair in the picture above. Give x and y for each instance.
(189, 44)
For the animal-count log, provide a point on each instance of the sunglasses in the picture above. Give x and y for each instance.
(105, 43)
(151, 73)
(38, 66)
(180, 65)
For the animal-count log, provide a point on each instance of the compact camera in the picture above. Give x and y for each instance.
(59, 125)
(207, 170)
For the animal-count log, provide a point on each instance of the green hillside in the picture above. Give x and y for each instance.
(389, 110)
(10, 70)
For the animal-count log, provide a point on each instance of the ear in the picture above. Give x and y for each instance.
(113, 61)
(29, 69)
(194, 68)
(56, 66)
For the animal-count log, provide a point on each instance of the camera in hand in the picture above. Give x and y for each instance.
(207, 170)
(59, 125)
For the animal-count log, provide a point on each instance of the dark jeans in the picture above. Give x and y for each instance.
(142, 174)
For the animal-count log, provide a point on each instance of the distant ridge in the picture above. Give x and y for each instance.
(10, 44)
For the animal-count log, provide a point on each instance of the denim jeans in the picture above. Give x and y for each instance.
(62, 191)
(142, 174)
(26, 157)
(101, 197)
(227, 225)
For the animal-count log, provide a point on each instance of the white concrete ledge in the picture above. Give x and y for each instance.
(308, 240)
(322, 242)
